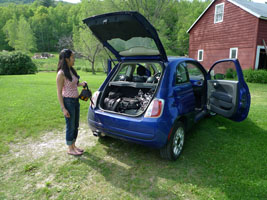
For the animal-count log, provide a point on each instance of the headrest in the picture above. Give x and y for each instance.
(141, 70)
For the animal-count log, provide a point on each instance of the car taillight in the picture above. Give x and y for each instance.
(155, 108)
(94, 99)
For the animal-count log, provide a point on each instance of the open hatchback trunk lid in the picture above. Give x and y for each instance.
(127, 35)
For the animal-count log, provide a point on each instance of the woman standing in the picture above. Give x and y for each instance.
(68, 97)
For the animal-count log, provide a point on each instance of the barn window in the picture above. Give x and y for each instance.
(233, 53)
(200, 55)
(219, 10)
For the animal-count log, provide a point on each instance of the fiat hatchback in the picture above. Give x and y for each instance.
(151, 99)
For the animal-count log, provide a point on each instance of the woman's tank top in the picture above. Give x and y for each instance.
(70, 87)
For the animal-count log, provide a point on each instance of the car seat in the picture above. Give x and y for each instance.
(141, 72)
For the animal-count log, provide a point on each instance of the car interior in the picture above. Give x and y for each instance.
(139, 72)
(197, 79)
(132, 88)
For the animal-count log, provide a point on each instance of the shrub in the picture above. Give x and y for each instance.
(86, 69)
(16, 63)
(255, 76)
(229, 73)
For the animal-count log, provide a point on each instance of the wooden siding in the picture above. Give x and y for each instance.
(238, 29)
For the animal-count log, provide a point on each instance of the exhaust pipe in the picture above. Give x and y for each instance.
(96, 133)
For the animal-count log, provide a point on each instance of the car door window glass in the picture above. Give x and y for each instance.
(181, 74)
(194, 72)
(224, 71)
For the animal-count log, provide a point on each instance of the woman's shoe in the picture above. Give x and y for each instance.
(80, 150)
(75, 153)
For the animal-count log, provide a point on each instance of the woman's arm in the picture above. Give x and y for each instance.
(60, 83)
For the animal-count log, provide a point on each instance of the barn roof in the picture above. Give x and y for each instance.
(257, 9)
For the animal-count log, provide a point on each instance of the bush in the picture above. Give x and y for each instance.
(16, 63)
(230, 73)
(255, 76)
(86, 69)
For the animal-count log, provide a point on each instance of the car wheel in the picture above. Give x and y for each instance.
(174, 146)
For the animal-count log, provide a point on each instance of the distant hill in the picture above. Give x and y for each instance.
(5, 2)
(17, 1)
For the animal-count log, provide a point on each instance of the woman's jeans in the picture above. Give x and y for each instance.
(73, 107)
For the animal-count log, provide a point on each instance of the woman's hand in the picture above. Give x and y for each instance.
(84, 83)
(66, 113)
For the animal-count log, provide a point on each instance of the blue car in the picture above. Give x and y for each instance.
(151, 99)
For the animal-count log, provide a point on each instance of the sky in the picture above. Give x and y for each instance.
(260, 1)
(72, 1)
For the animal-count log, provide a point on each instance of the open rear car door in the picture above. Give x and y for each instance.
(228, 94)
(127, 34)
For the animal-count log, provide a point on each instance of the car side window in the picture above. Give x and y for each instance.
(224, 71)
(123, 70)
(181, 74)
(194, 72)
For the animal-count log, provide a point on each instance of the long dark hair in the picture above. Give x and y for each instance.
(62, 64)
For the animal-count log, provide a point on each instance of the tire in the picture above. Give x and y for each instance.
(174, 147)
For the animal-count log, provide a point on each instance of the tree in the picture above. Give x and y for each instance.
(65, 42)
(86, 44)
(10, 29)
(51, 24)
(42, 28)
(46, 3)
(153, 10)
(160, 13)
(5, 15)
(61, 25)
(25, 38)
(188, 12)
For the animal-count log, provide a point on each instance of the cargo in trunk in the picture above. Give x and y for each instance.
(132, 88)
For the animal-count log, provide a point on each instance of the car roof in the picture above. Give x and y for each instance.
(180, 59)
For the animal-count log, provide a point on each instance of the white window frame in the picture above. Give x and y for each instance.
(231, 50)
(215, 13)
(200, 50)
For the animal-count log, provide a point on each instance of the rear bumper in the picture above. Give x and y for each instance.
(146, 131)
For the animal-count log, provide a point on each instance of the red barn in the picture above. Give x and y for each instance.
(230, 29)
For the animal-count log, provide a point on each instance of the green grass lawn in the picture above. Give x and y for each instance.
(221, 160)
(50, 64)
(29, 105)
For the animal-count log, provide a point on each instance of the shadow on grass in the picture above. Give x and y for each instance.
(221, 159)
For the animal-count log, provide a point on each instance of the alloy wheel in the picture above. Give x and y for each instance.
(178, 141)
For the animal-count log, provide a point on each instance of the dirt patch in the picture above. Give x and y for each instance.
(50, 143)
